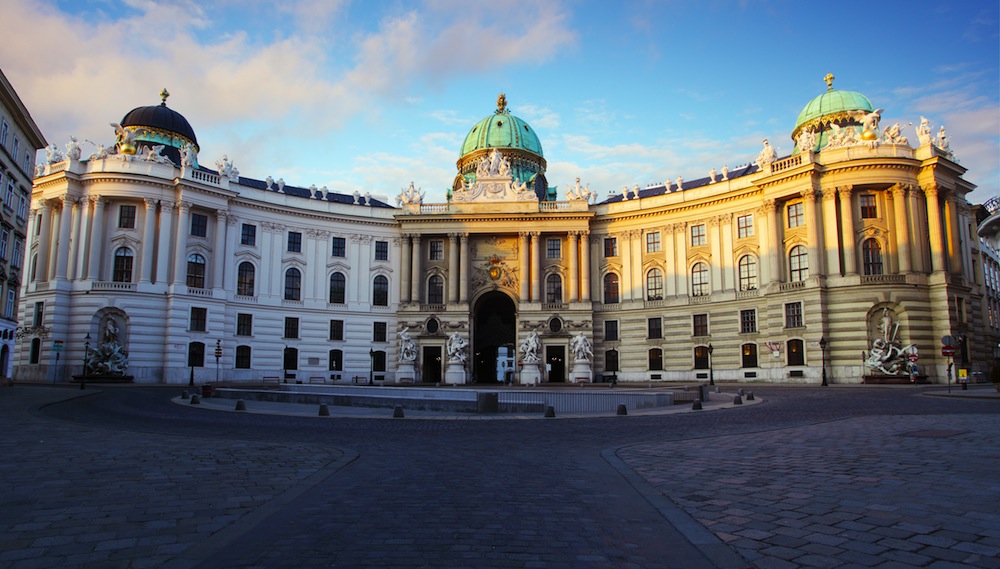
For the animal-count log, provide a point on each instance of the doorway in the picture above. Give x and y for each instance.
(494, 327)
(431, 370)
(555, 360)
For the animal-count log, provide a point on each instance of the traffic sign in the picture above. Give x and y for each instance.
(913, 357)
(948, 351)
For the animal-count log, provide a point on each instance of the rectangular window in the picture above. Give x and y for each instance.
(3, 132)
(17, 255)
(699, 324)
(242, 357)
(748, 321)
(126, 217)
(26, 163)
(868, 208)
(39, 315)
(8, 197)
(379, 333)
(199, 225)
(744, 226)
(8, 309)
(610, 330)
(698, 235)
(654, 328)
(291, 327)
(793, 315)
(796, 215)
(22, 206)
(17, 147)
(4, 242)
(381, 250)
(339, 247)
(248, 235)
(244, 324)
(337, 330)
(294, 242)
(656, 359)
(553, 249)
(610, 246)
(437, 250)
(653, 242)
(199, 318)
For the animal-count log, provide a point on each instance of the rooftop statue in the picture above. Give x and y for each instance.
(411, 195)
(893, 135)
(72, 149)
(924, 132)
(767, 155)
(188, 155)
(807, 141)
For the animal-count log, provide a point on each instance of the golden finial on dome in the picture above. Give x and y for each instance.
(163, 96)
(829, 81)
(501, 103)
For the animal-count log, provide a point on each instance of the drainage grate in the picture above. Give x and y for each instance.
(934, 433)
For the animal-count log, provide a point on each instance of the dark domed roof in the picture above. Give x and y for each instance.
(161, 118)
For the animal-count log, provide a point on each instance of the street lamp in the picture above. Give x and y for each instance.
(371, 366)
(822, 347)
(711, 374)
(86, 352)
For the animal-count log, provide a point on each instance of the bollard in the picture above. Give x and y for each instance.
(324, 411)
(397, 413)
(185, 395)
(241, 405)
(740, 392)
(195, 400)
(550, 411)
(622, 410)
(737, 400)
(750, 396)
(696, 405)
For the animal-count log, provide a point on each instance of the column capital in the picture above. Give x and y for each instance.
(769, 205)
(183, 206)
(809, 193)
(150, 202)
(453, 237)
(220, 214)
(845, 191)
(829, 193)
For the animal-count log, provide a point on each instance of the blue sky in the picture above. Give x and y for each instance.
(371, 95)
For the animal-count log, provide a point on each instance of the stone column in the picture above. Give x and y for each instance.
(415, 271)
(899, 207)
(219, 249)
(638, 280)
(572, 293)
(680, 268)
(44, 239)
(775, 252)
(812, 231)
(309, 288)
(954, 227)
(163, 242)
(82, 237)
(536, 266)
(625, 284)
(463, 269)
(585, 266)
(277, 272)
(918, 242)
(148, 241)
(74, 252)
(848, 237)
(935, 229)
(715, 242)
(229, 258)
(65, 225)
(726, 258)
(829, 216)
(96, 239)
(405, 264)
(524, 256)
(267, 265)
(180, 247)
(454, 277)
(365, 269)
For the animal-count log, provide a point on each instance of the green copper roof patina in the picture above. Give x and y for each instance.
(501, 130)
(832, 104)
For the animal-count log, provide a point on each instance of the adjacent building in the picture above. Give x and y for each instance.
(847, 261)
(20, 138)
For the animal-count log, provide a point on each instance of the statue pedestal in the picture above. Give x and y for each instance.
(582, 373)
(406, 372)
(530, 374)
(454, 373)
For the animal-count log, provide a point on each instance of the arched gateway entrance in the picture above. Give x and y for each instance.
(495, 333)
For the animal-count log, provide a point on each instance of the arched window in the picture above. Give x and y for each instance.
(654, 284)
(796, 353)
(553, 289)
(380, 291)
(699, 279)
(336, 360)
(196, 354)
(611, 295)
(798, 264)
(656, 359)
(123, 266)
(293, 284)
(338, 288)
(435, 290)
(748, 272)
(245, 276)
(749, 353)
(872, 255)
(196, 271)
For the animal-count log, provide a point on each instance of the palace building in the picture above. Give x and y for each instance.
(847, 261)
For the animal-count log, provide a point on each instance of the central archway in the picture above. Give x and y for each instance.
(494, 328)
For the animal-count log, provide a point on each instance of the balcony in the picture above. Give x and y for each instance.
(121, 287)
(883, 279)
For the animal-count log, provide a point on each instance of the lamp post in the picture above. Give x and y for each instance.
(86, 352)
(822, 348)
(711, 373)
(371, 366)
(218, 354)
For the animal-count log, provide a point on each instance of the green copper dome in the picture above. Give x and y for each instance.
(501, 130)
(832, 102)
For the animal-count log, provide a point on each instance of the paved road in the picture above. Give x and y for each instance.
(836, 477)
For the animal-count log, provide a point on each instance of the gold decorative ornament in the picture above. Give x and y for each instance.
(829, 81)
(163, 96)
(501, 103)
